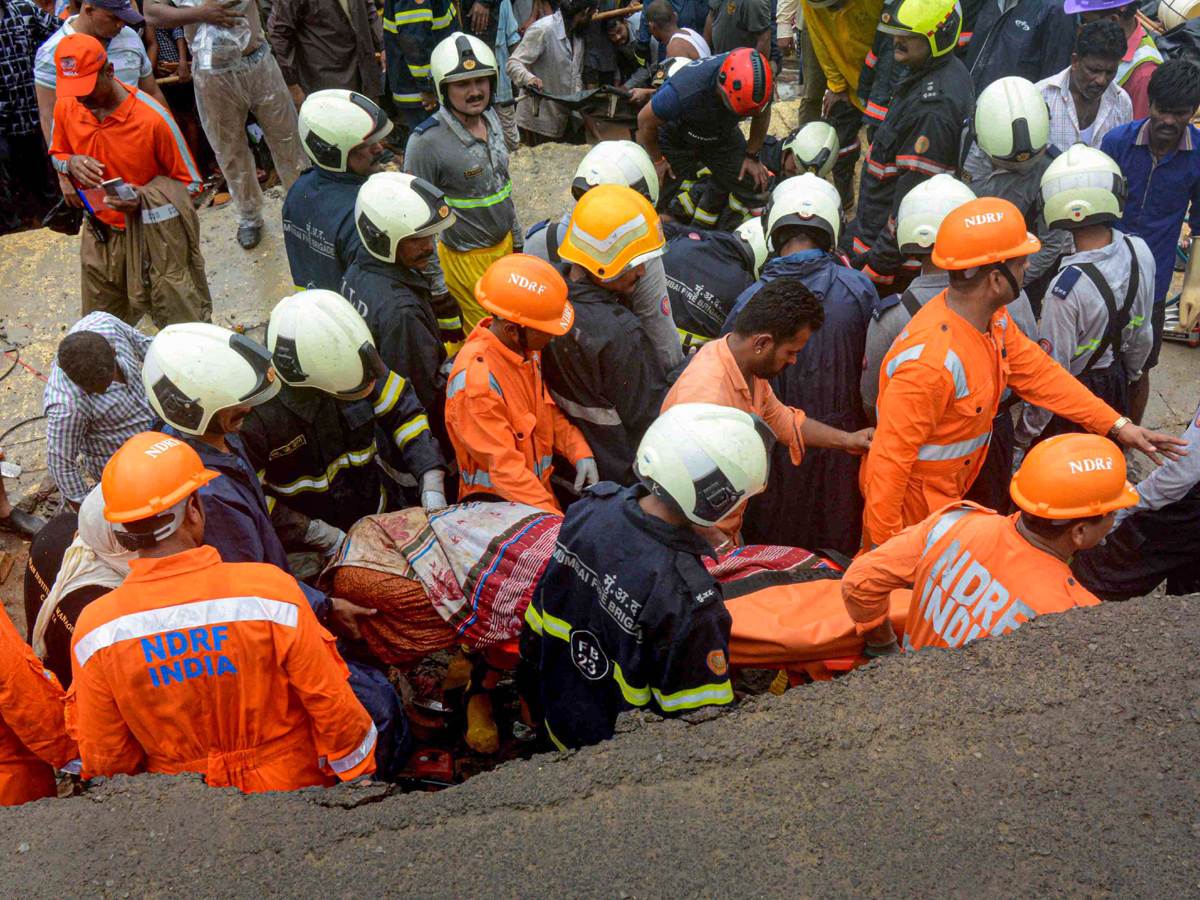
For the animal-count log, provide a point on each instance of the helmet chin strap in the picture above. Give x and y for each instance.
(1012, 282)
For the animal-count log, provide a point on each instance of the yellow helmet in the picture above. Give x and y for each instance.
(939, 21)
(613, 228)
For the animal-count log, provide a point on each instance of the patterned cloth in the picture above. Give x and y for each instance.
(94, 426)
(1115, 109)
(168, 48)
(23, 26)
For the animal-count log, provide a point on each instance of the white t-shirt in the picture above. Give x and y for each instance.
(1085, 134)
(125, 52)
(696, 40)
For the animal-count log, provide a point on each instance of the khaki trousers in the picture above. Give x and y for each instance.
(814, 81)
(102, 275)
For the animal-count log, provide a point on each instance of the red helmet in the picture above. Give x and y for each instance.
(747, 81)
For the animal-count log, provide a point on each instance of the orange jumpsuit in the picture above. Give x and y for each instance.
(713, 376)
(195, 665)
(503, 424)
(972, 575)
(33, 737)
(940, 386)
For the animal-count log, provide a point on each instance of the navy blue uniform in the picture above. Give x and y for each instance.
(1032, 39)
(411, 29)
(824, 382)
(624, 616)
(318, 227)
(706, 272)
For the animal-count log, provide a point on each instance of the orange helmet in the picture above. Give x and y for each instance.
(149, 476)
(981, 232)
(613, 228)
(528, 291)
(746, 80)
(1073, 476)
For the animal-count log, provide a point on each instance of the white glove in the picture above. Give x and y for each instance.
(433, 489)
(1189, 310)
(324, 537)
(585, 473)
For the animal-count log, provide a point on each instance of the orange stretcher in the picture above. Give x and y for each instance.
(802, 629)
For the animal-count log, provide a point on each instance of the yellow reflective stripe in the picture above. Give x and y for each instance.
(408, 18)
(410, 430)
(418, 71)
(447, 324)
(556, 626)
(407, 99)
(708, 695)
(633, 696)
(685, 201)
(298, 288)
(707, 218)
(270, 504)
(1090, 345)
(321, 483)
(557, 743)
(444, 20)
(490, 200)
(691, 340)
(1135, 321)
(532, 619)
(392, 389)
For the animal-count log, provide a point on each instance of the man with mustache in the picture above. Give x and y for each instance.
(342, 132)
(461, 150)
(1085, 100)
(1160, 158)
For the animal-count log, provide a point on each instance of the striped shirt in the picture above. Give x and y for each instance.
(89, 428)
(125, 52)
(1115, 109)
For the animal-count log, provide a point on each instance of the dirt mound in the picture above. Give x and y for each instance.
(1058, 761)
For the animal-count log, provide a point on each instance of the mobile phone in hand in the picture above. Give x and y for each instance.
(116, 187)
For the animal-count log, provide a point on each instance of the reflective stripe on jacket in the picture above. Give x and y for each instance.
(195, 665)
(973, 575)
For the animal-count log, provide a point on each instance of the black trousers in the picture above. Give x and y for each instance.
(990, 487)
(1110, 384)
(702, 205)
(846, 120)
(28, 186)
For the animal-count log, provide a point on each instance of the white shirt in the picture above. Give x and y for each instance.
(1115, 109)
(125, 52)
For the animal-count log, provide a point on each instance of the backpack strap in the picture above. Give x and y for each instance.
(911, 303)
(1118, 320)
(552, 243)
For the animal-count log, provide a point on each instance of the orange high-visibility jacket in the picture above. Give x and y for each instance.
(33, 736)
(503, 424)
(940, 386)
(713, 376)
(972, 575)
(195, 665)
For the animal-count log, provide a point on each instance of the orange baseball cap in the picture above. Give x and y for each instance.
(78, 59)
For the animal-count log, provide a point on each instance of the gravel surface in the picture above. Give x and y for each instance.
(1055, 762)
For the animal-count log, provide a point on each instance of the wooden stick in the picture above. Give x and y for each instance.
(168, 79)
(1149, 24)
(617, 13)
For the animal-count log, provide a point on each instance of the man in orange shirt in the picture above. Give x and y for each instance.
(975, 573)
(770, 330)
(503, 424)
(106, 130)
(33, 737)
(195, 665)
(941, 382)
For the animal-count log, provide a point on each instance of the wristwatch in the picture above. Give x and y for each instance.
(1118, 425)
(754, 156)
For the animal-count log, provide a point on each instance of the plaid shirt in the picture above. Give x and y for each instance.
(90, 428)
(23, 27)
(1115, 109)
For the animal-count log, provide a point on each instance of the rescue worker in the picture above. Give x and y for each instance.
(919, 137)
(313, 445)
(804, 223)
(33, 735)
(1155, 539)
(503, 424)
(625, 615)
(625, 163)
(397, 217)
(1096, 320)
(813, 147)
(841, 32)
(342, 132)
(921, 213)
(460, 149)
(706, 272)
(411, 31)
(977, 574)
(197, 665)
(942, 380)
(1008, 157)
(604, 373)
(203, 381)
(692, 122)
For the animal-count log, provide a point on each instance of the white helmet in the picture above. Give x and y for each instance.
(923, 209)
(805, 200)
(705, 460)
(392, 206)
(318, 340)
(1084, 186)
(458, 58)
(1012, 121)
(194, 370)
(751, 233)
(334, 122)
(666, 68)
(815, 147)
(617, 162)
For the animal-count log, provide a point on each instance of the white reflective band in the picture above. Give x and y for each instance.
(459, 381)
(351, 458)
(74, 767)
(410, 430)
(159, 214)
(913, 352)
(391, 393)
(717, 693)
(957, 371)
(938, 531)
(704, 216)
(352, 759)
(594, 414)
(931, 452)
(179, 618)
(542, 465)
(479, 479)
